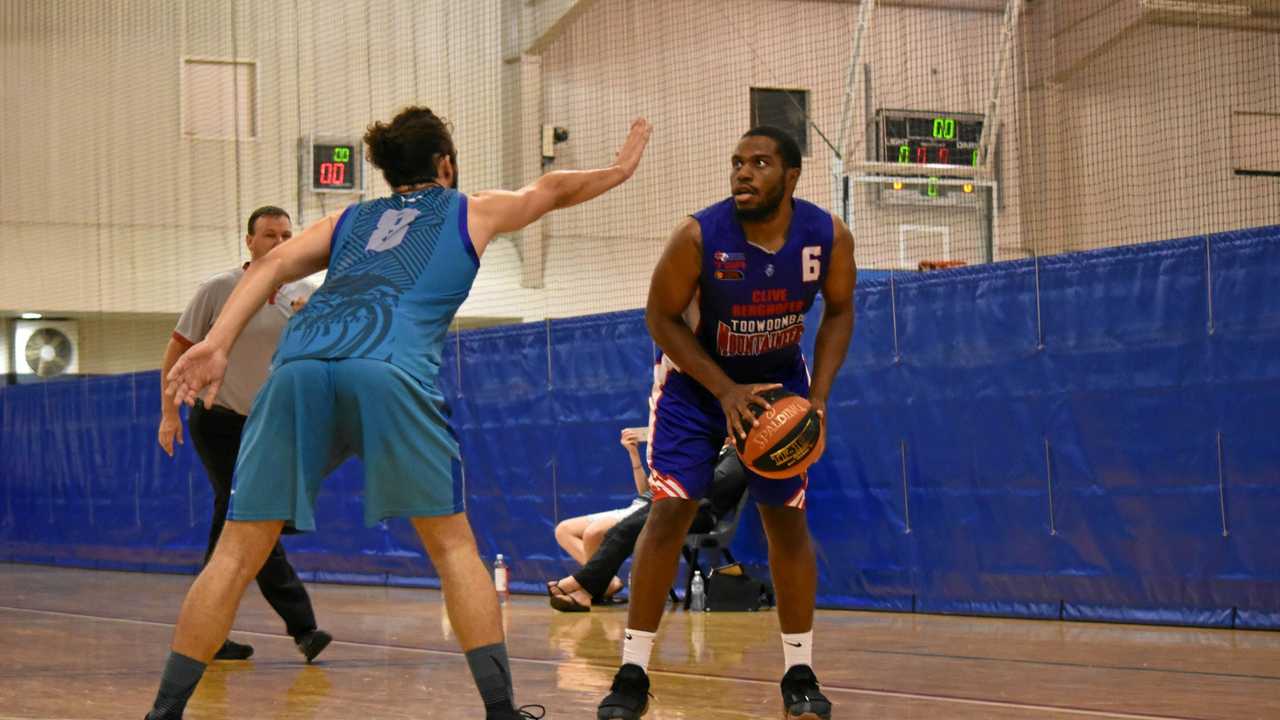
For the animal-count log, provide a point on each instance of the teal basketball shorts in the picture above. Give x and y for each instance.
(311, 415)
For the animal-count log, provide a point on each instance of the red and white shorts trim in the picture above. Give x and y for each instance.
(665, 486)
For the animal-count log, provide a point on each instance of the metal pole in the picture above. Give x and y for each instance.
(864, 22)
(846, 117)
(837, 186)
(1012, 12)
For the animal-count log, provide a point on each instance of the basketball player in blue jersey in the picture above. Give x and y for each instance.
(355, 373)
(726, 307)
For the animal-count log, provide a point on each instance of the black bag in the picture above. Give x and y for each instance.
(736, 592)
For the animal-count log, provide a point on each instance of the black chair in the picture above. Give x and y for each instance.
(718, 538)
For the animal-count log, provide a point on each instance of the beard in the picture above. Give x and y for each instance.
(767, 207)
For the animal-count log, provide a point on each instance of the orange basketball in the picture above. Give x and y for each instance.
(787, 438)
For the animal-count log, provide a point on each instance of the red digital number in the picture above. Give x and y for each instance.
(332, 173)
(944, 155)
(922, 155)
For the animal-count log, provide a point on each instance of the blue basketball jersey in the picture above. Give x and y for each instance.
(752, 302)
(399, 268)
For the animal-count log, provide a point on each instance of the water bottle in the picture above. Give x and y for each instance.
(698, 593)
(698, 635)
(500, 578)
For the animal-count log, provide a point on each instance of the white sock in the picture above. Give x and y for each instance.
(797, 649)
(637, 647)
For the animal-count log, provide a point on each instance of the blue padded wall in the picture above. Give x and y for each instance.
(1088, 436)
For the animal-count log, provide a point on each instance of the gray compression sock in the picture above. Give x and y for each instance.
(492, 673)
(181, 675)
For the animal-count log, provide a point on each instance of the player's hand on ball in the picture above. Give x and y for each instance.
(200, 369)
(629, 438)
(632, 150)
(820, 405)
(737, 402)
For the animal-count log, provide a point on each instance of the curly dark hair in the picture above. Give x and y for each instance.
(407, 148)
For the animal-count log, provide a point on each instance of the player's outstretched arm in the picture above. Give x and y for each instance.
(302, 256)
(836, 328)
(674, 283)
(204, 364)
(494, 212)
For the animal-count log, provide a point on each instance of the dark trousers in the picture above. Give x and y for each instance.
(618, 544)
(216, 435)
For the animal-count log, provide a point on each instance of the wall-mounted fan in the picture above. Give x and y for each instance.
(45, 348)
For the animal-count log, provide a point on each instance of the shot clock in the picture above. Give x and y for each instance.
(336, 166)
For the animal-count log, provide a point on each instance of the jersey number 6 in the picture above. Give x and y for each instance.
(810, 258)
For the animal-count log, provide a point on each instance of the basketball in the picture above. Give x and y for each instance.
(787, 438)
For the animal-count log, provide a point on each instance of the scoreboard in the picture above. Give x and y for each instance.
(939, 140)
(928, 138)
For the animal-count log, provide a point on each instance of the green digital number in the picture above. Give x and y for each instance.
(933, 187)
(944, 129)
(904, 153)
(341, 154)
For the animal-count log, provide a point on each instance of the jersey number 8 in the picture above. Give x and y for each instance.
(391, 229)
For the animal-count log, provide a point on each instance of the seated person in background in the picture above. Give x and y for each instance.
(599, 575)
(581, 536)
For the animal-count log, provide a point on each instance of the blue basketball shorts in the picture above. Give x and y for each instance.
(687, 428)
(311, 415)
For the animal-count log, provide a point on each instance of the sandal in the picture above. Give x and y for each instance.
(563, 601)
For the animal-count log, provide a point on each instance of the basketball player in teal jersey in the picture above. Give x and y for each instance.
(355, 373)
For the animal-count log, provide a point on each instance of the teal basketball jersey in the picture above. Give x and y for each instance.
(399, 268)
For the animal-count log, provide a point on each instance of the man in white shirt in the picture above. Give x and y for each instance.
(216, 430)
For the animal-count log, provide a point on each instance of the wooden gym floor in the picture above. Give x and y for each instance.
(81, 645)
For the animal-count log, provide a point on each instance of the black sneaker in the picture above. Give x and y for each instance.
(233, 651)
(630, 697)
(524, 712)
(312, 643)
(801, 697)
